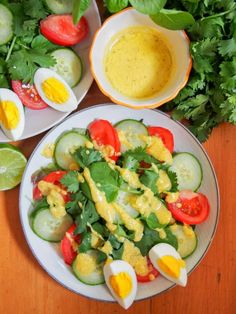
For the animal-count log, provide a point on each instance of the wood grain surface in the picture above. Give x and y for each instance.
(25, 288)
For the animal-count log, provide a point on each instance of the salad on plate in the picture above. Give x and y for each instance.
(121, 203)
(38, 67)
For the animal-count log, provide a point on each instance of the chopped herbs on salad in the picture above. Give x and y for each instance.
(120, 194)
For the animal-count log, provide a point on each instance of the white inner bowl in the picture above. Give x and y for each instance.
(48, 254)
(179, 47)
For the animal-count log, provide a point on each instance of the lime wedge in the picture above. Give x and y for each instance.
(12, 165)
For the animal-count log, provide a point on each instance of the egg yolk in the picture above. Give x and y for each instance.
(170, 265)
(9, 114)
(121, 284)
(55, 90)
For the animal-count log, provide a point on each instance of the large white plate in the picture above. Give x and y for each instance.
(48, 255)
(38, 121)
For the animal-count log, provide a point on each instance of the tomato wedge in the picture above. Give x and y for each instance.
(68, 244)
(190, 208)
(152, 274)
(165, 135)
(28, 95)
(53, 177)
(60, 29)
(103, 133)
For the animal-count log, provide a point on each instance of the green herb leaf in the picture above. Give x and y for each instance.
(117, 254)
(70, 181)
(130, 163)
(101, 257)
(152, 221)
(151, 237)
(149, 178)
(85, 244)
(79, 8)
(148, 6)
(114, 242)
(174, 180)
(41, 42)
(139, 154)
(34, 9)
(73, 207)
(88, 215)
(101, 229)
(86, 156)
(227, 47)
(114, 6)
(106, 179)
(173, 19)
(86, 190)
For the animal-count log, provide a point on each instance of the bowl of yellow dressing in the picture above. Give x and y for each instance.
(138, 63)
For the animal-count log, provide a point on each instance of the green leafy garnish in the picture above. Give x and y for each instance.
(86, 156)
(174, 180)
(88, 215)
(70, 181)
(139, 154)
(148, 6)
(117, 254)
(152, 221)
(73, 207)
(79, 8)
(114, 6)
(101, 257)
(106, 179)
(85, 244)
(149, 178)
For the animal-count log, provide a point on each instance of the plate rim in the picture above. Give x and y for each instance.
(217, 198)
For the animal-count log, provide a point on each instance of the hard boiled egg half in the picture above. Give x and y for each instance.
(54, 90)
(168, 262)
(121, 280)
(12, 117)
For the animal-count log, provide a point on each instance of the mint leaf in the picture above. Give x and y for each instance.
(70, 181)
(173, 19)
(106, 179)
(86, 156)
(79, 8)
(114, 6)
(148, 6)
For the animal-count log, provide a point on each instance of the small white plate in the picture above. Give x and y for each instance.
(38, 121)
(49, 256)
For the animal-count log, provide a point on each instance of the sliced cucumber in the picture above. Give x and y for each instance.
(188, 170)
(130, 137)
(68, 65)
(187, 239)
(94, 278)
(65, 145)
(60, 6)
(123, 200)
(49, 228)
(6, 25)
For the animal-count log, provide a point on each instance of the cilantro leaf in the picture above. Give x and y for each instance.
(41, 42)
(174, 180)
(70, 181)
(101, 229)
(85, 244)
(88, 215)
(130, 163)
(73, 207)
(117, 254)
(114, 6)
(106, 179)
(79, 8)
(152, 221)
(101, 257)
(139, 154)
(34, 9)
(149, 178)
(148, 6)
(86, 156)
(227, 47)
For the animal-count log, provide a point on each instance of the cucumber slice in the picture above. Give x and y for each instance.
(187, 240)
(49, 228)
(130, 135)
(188, 170)
(94, 278)
(68, 65)
(6, 24)
(60, 6)
(65, 145)
(123, 200)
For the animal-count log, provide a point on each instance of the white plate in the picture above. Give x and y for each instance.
(38, 121)
(48, 255)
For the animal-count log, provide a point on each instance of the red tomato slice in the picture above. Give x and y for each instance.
(191, 208)
(68, 252)
(152, 274)
(103, 133)
(28, 95)
(165, 135)
(61, 30)
(53, 177)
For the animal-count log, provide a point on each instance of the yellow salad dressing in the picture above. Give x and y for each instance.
(138, 62)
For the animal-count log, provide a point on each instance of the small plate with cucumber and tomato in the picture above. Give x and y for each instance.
(117, 156)
(52, 37)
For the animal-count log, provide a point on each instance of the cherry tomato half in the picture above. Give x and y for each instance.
(190, 208)
(60, 29)
(152, 274)
(28, 95)
(68, 250)
(103, 133)
(165, 135)
(53, 177)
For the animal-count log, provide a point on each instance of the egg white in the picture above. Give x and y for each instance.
(43, 74)
(114, 268)
(162, 249)
(9, 95)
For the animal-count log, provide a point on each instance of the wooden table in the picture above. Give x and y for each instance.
(25, 288)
